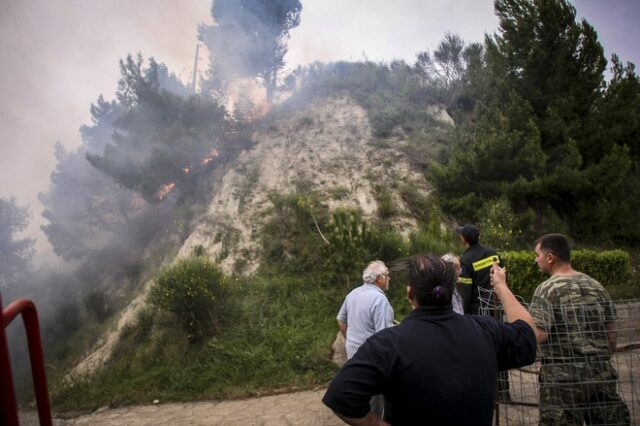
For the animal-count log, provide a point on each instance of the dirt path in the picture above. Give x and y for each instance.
(300, 408)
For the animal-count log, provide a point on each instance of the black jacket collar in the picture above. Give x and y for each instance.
(431, 312)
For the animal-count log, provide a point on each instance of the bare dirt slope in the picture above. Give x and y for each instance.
(327, 146)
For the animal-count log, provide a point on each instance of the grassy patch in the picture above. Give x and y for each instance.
(282, 340)
(338, 192)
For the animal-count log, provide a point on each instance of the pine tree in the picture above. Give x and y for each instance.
(542, 129)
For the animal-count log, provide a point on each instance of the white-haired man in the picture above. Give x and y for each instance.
(365, 311)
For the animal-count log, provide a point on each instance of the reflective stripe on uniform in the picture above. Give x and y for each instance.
(485, 263)
(462, 280)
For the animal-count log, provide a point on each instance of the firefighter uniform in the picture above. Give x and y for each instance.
(476, 264)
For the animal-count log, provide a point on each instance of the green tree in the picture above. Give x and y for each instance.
(444, 71)
(618, 114)
(84, 208)
(494, 155)
(159, 135)
(539, 132)
(553, 62)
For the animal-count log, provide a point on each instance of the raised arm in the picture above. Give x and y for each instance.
(512, 308)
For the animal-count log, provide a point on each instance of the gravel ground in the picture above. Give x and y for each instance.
(300, 408)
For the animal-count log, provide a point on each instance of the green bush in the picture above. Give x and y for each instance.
(611, 268)
(290, 239)
(386, 204)
(420, 204)
(196, 292)
(351, 242)
(432, 237)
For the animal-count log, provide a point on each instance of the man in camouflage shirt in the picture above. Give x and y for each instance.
(575, 318)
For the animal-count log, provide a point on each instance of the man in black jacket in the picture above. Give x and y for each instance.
(422, 366)
(475, 262)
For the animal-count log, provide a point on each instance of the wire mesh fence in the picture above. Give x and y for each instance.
(578, 379)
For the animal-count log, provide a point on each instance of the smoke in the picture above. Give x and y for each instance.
(249, 40)
(57, 58)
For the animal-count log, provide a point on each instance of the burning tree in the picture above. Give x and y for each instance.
(249, 38)
(159, 134)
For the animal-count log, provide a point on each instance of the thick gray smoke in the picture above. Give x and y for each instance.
(249, 39)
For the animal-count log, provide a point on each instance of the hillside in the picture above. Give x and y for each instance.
(326, 148)
(209, 240)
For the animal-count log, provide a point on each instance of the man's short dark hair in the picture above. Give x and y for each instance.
(470, 233)
(557, 244)
(432, 279)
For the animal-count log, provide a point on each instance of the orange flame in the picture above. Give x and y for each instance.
(164, 190)
(212, 154)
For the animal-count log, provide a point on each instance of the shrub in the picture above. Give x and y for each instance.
(386, 204)
(433, 237)
(351, 240)
(305, 121)
(59, 331)
(290, 238)
(196, 292)
(338, 192)
(419, 203)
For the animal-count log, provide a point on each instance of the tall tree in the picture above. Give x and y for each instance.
(85, 209)
(445, 67)
(249, 38)
(15, 253)
(618, 114)
(538, 133)
(553, 62)
(158, 136)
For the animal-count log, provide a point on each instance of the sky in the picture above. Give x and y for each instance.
(59, 56)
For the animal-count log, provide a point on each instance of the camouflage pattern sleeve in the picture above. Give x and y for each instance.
(540, 308)
(610, 313)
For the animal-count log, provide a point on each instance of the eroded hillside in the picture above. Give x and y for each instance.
(328, 146)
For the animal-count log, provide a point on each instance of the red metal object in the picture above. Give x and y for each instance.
(8, 404)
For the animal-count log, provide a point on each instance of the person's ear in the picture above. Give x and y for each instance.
(409, 293)
(411, 297)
